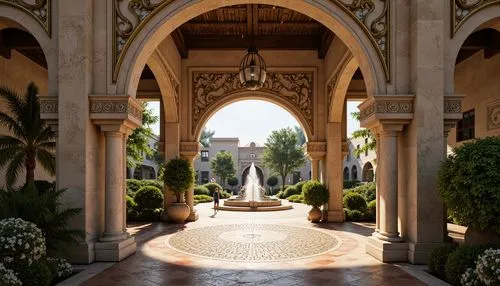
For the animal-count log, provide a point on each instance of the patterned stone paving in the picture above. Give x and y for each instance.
(253, 242)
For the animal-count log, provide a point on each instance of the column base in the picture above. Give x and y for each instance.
(193, 216)
(82, 253)
(115, 251)
(419, 253)
(335, 216)
(386, 251)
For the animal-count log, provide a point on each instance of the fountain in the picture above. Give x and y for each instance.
(252, 197)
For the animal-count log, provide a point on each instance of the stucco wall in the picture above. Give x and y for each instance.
(16, 73)
(478, 79)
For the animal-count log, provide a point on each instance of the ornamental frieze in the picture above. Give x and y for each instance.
(48, 104)
(493, 116)
(129, 16)
(40, 10)
(387, 106)
(461, 10)
(118, 105)
(209, 88)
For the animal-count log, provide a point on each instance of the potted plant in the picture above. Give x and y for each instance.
(315, 195)
(178, 177)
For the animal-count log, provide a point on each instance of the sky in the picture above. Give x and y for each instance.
(254, 120)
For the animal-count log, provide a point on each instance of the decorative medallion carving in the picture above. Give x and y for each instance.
(452, 106)
(40, 10)
(494, 116)
(112, 106)
(461, 10)
(387, 106)
(208, 88)
(394, 110)
(129, 16)
(49, 104)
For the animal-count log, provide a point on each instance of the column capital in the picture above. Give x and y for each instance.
(49, 111)
(386, 112)
(345, 148)
(452, 109)
(315, 150)
(189, 149)
(115, 113)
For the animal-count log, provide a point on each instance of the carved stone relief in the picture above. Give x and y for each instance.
(387, 106)
(461, 10)
(40, 10)
(209, 88)
(129, 16)
(116, 106)
(493, 116)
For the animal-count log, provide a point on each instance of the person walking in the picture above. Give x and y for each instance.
(216, 199)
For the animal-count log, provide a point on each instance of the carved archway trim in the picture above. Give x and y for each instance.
(462, 10)
(40, 10)
(372, 16)
(285, 87)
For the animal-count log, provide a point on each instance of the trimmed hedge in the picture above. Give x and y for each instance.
(148, 197)
(211, 187)
(131, 204)
(201, 190)
(296, 198)
(351, 184)
(202, 199)
(458, 261)
(292, 190)
(355, 201)
(438, 259)
(134, 185)
(371, 211)
(368, 191)
(355, 215)
(300, 185)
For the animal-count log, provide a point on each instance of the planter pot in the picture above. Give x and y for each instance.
(474, 236)
(178, 212)
(315, 214)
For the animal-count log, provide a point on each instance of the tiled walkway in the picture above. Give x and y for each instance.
(166, 254)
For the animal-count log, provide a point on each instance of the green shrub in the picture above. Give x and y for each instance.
(272, 181)
(368, 191)
(279, 194)
(155, 183)
(225, 195)
(354, 201)
(201, 190)
(149, 215)
(148, 197)
(133, 186)
(232, 181)
(178, 176)
(438, 259)
(203, 199)
(372, 208)
(346, 215)
(37, 274)
(132, 215)
(315, 194)
(131, 204)
(300, 185)
(211, 187)
(469, 183)
(351, 184)
(458, 261)
(59, 268)
(355, 215)
(292, 190)
(296, 198)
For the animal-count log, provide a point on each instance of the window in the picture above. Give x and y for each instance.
(204, 155)
(465, 126)
(357, 148)
(204, 177)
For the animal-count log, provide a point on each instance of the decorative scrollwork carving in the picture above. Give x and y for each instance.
(40, 10)
(387, 106)
(175, 87)
(452, 106)
(296, 88)
(129, 16)
(116, 106)
(494, 116)
(461, 10)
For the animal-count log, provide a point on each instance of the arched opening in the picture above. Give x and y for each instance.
(346, 174)
(260, 174)
(368, 174)
(354, 173)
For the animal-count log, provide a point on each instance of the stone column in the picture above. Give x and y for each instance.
(171, 151)
(189, 151)
(377, 183)
(334, 175)
(314, 169)
(316, 152)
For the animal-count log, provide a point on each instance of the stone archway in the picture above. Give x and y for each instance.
(366, 33)
(346, 174)
(260, 174)
(368, 174)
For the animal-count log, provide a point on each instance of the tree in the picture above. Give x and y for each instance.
(137, 143)
(366, 134)
(223, 166)
(232, 181)
(31, 141)
(205, 137)
(301, 138)
(282, 154)
(272, 182)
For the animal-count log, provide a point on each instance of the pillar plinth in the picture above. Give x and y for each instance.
(189, 151)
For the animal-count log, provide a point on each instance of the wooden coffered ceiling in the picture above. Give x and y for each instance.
(272, 27)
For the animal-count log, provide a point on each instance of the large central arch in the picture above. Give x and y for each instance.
(331, 14)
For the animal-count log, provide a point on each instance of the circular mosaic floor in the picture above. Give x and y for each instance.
(253, 242)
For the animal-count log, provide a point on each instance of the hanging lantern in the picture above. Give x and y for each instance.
(252, 70)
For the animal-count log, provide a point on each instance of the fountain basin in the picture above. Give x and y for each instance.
(268, 204)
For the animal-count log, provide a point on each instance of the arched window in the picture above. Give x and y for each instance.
(354, 173)
(368, 174)
(346, 174)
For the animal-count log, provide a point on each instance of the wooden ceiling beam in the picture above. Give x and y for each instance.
(266, 42)
(255, 20)
(180, 43)
(249, 22)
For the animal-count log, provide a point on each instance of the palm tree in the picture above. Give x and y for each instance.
(206, 135)
(31, 140)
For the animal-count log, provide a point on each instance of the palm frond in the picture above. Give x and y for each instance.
(6, 154)
(47, 160)
(7, 141)
(49, 146)
(46, 135)
(12, 124)
(15, 167)
(13, 100)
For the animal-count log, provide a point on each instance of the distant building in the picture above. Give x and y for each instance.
(359, 168)
(148, 169)
(243, 157)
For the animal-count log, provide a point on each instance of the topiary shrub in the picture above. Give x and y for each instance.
(296, 198)
(315, 194)
(346, 215)
(178, 176)
(300, 185)
(351, 184)
(272, 182)
(201, 190)
(458, 261)
(469, 183)
(131, 204)
(148, 197)
(354, 201)
(211, 187)
(355, 215)
(155, 183)
(133, 186)
(290, 191)
(149, 215)
(232, 181)
(202, 199)
(225, 195)
(38, 273)
(438, 259)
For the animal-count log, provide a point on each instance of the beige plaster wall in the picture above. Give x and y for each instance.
(16, 73)
(477, 78)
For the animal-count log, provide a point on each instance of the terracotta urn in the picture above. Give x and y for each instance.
(178, 212)
(315, 214)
